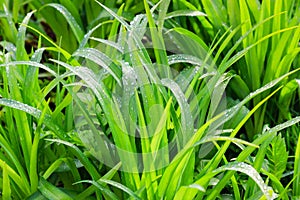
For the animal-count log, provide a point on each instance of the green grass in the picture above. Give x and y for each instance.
(149, 100)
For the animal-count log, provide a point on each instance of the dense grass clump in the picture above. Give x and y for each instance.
(167, 99)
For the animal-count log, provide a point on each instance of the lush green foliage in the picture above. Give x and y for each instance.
(149, 100)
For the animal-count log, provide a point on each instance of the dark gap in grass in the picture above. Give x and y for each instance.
(48, 30)
(31, 43)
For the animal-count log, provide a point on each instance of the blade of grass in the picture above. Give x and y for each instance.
(6, 191)
(158, 45)
(20, 43)
(178, 13)
(247, 169)
(8, 25)
(21, 183)
(244, 154)
(51, 192)
(278, 185)
(77, 30)
(121, 187)
(113, 32)
(33, 171)
(102, 60)
(35, 113)
(296, 175)
(106, 191)
(90, 190)
(55, 47)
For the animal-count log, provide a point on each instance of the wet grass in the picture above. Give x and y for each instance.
(149, 100)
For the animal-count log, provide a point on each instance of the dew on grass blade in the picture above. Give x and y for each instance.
(20, 106)
(252, 173)
(190, 13)
(78, 32)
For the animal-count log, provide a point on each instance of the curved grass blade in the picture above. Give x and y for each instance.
(187, 13)
(90, 190)
(252, 173)
(79, 34)
(186, 116)
(121, 187)
(109, 43)
(120, 19)
(237, 141)
(185, 58)
(100, 187)
(35, 113)
(53, 167)
(21, 53)
(102, 60)
(87, 36)
(203, 50)
(240, 167)
(55, 47)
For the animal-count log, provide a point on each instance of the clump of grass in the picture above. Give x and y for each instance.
(129, 113)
